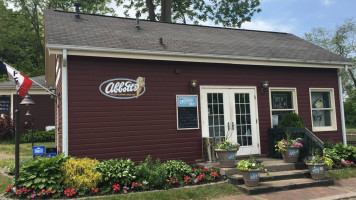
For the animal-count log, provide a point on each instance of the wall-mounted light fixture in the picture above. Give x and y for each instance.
(264, 87)
(193, 85)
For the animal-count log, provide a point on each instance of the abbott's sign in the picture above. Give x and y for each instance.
(123, 88)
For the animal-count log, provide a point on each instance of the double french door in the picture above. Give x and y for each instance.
(231, 114)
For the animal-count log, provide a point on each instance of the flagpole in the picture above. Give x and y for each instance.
(43, 87)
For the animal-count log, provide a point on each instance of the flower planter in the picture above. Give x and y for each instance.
(291, 154)
(226, 157)
(251, 178)
(317, 171)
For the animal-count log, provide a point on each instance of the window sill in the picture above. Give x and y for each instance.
(322, 129)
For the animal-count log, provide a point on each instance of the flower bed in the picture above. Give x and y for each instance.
(106, 177)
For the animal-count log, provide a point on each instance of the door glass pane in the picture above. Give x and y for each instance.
(243, 119)
(216, 116)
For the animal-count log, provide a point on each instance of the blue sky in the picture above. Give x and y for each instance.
(300, 16)
(295, 16)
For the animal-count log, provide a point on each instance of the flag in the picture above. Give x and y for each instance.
(23, 83)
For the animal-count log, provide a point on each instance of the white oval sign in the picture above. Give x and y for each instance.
(123, 88)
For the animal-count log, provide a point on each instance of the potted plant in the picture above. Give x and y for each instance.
(226, 153)
(251, 171)
(317, 166)
(290, 149)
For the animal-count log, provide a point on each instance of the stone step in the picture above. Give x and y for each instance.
(237, 179)
(279, 185)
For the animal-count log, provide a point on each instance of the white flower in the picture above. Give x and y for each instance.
(253, 164)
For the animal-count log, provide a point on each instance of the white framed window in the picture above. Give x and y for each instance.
(322, 105)
(281, 101)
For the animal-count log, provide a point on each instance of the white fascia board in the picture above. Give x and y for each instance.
(189, 57)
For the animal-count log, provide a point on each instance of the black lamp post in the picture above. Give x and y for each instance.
(26, 101)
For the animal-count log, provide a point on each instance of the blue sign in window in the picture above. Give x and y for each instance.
(318, 170)
(231, 156)
(38, 150)
(293, 152)
(187, 101)
(254, 175)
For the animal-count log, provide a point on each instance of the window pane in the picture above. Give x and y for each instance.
(282, 100)
(321, 118)
(320, 100)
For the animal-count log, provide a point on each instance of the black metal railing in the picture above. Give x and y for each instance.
(311, 143)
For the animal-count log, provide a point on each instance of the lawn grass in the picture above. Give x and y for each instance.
(201, 192)
(6, 161)
(342, 173)
(4, 182)
(25, 149)
(350, 129)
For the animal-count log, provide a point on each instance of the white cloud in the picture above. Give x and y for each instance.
(262, 25)
(327, 2)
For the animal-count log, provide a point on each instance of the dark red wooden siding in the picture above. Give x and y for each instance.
(102, 127)
(42, 112)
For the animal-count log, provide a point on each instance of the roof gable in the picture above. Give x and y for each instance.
(94, 31)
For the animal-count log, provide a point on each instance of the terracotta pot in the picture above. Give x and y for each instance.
(317, 171)
(226, 157)
(291, 154)
(251, 178)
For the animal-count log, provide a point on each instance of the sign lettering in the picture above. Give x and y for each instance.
(123, 88)
(254, 175)
(294, 152)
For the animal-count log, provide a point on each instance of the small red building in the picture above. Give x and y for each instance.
(42, 112)
(125, 86)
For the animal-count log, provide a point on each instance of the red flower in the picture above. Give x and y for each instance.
(52, 191)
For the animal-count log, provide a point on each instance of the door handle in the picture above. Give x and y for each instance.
(232, 126)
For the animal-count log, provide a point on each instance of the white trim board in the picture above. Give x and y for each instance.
(189, 57)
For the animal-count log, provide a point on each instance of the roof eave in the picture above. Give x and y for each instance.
(189, 57)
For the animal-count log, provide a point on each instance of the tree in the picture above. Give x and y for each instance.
(31, 14)
(341, 41)
(17, 40)
(229, 13)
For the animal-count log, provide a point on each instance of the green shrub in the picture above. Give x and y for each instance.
(38, 136)
(79, 174)
(291, 120)
(177, 169)
(43, 173)
(10, 169)
(154, 175)
(116, 172)
(340, 152)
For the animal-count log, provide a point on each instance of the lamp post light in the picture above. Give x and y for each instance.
(26, 101)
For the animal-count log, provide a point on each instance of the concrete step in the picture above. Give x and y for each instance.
(237, 179)
(272, 165)
(289, 184)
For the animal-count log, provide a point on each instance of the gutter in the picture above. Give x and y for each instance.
(342, 113)
(190, 57)
(64, 104)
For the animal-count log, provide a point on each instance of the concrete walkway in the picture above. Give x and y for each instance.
(343, 189)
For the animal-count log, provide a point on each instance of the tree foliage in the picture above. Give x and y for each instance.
(341, 41)
(229, 13)
(17, 40)
(22, 34)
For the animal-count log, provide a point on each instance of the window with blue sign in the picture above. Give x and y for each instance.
(187, 112)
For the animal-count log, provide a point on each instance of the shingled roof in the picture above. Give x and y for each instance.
(95, 31)
(11, 84)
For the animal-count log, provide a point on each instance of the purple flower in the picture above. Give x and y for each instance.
(32, 196)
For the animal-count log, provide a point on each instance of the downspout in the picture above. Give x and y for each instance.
(64, 104)
(342, 107)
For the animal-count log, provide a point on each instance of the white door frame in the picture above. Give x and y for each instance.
(204, 114)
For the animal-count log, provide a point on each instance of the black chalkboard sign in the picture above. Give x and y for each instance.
(5, 105)
(187, 112)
